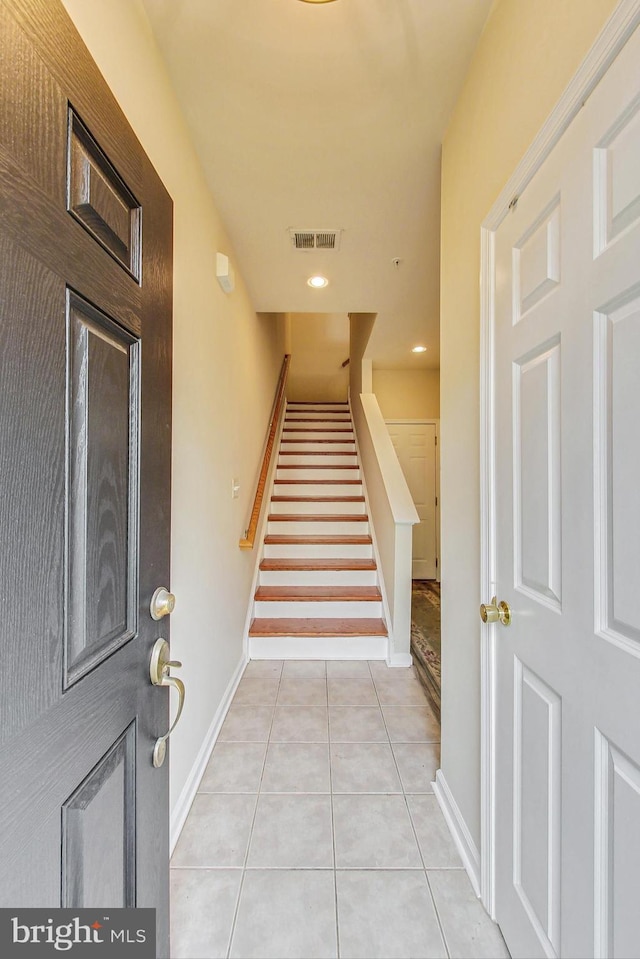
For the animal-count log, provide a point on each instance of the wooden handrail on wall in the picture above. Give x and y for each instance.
(250, 534)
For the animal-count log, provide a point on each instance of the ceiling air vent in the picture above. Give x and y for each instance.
(315, 239)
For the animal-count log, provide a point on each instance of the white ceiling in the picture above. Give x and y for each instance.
(327, 116)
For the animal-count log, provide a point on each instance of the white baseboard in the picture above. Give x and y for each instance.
(400, 659)
(181, 809)
(458, 829)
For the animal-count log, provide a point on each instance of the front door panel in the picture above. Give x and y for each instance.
(103, 408)
(99, 832)
(85, 346)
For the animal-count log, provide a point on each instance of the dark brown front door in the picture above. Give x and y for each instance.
(85, 420)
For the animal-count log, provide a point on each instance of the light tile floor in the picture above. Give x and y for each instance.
(315, 831)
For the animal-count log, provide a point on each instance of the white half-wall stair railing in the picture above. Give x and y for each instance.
(393, 514)
(318, 591)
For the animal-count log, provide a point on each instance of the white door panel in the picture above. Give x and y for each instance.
(415, 446)
(567, 426)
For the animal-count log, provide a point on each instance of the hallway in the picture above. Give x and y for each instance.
(315, 831)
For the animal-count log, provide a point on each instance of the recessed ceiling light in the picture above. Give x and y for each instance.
(419, 349)
(317, 282)
(316, 1)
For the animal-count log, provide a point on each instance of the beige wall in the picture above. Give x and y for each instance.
(226, 364)
(408, 394)
(527, 54)
(319, 346)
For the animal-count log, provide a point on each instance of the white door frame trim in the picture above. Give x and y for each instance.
(622, 23)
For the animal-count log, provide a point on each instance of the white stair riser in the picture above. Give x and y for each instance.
(321, 647)
(322, 528)
(291, 506)
(318, 407)
(301, 434)
(326, 473)
(339, 405)
(317, 489)
(312, 610)
(292, 446)
(317, 416)
(343, 428)
(318, 551)
(317, 459)
(318, 577)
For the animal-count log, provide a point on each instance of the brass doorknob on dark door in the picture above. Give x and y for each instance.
(495, 612)
(162, 603)
(159, 668)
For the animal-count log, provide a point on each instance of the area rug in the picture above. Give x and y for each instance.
(425, 637)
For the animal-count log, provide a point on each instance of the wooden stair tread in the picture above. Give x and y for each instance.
(309, 429)
(318, 518)
(318, 466)
(318, 482)
(317, 403)
(320, 594)
(317, 627)
(317, 452)
(342, 442)
(317, 499)
(278, 539)
(340, 418)
(340, 565)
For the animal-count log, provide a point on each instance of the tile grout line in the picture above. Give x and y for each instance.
(435, 906)
(253, 820)
(413, 828)
(333, 826)
(321, 868)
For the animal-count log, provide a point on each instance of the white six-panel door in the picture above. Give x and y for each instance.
(415, 446)
(567, 440)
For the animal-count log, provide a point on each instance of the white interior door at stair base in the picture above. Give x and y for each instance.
(567, 474)
(415, 445)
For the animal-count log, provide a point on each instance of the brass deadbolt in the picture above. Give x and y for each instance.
(162, 603)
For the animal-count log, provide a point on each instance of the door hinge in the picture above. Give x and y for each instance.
(435, 439)
(436, 562)
(436, 500)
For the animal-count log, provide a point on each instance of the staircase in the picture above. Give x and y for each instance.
(318, 595)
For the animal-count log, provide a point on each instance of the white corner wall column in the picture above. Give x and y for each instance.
(393, 516)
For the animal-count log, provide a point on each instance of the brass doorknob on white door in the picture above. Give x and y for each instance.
(495, 612)
(162, 603)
